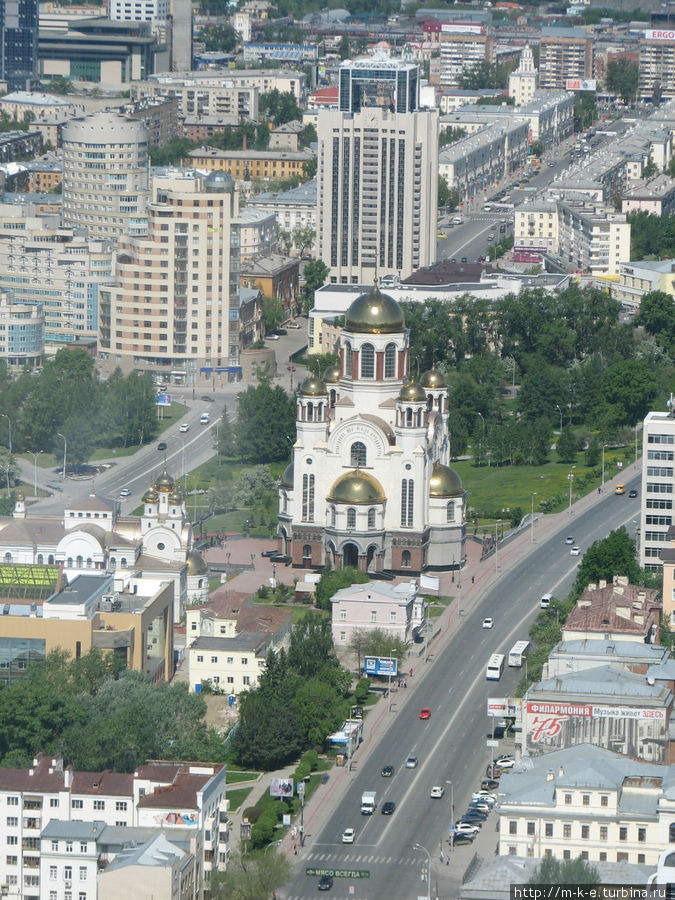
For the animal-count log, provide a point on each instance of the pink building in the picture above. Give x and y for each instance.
(396, 609)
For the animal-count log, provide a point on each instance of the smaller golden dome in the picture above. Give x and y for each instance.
(175, 497)
(412, 391)
(164, 483)
(196, 564)
(287, 479)
(150, 496)
(356, 487)
(433, 379)
(445, 482)
(312, 387)
(332, 375)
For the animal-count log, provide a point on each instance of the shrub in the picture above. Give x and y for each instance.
(361, 691)
(253, 813)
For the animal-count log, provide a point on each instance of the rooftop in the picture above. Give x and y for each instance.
(214, 153)
(377, 591)
(446, 272)
(651, 189)
(245, 640)
(617, 607)
(266, 266)
(73, 830)
(603, 683)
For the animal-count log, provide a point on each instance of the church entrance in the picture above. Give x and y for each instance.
(350, 555)
(371, 562)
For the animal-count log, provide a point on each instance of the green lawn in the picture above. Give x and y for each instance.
(236, 777)
(237, 797)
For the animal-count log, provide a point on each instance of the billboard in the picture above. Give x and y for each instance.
(581, 84)
(660, 34)
(281, 787)
(163, 399)
(452, 28)
(503, 706)
(379, 665)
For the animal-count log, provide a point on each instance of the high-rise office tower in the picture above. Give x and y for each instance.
(180, 35)
(377, 174)
(19, 44)
(105, 175)
(175, 303)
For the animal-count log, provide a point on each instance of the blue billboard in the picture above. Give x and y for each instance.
(380, 665)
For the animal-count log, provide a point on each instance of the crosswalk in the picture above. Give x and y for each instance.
(345, 860)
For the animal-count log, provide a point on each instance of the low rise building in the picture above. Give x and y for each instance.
(19, 145)
(395, 609)
(535, 230)
(587, 801)
(286, 136)
(589, 653)
(667, 558)
(258, 232)
(592, 238)
(246, 165)
(655, 196)
(618, 611)
(202, 93)
(639, 278)
(523, 82)
(449, 99)
(276, 276)
(45, 174)
(36, 106)
(156, 868)
(200, 128)
(158, 114)
(295, 208)
(228, 664)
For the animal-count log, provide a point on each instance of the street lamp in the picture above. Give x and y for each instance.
(482, 443)
(557, 406)
(9, 425)
(533, 495)
(497, 524)
(424, 850)
(570, 478)
(273, 844)
(603, 467)
(35, 455)
(452, 814)
(65, 450)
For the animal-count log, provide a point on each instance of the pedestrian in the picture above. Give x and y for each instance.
(411, 673)
(598, 490)
(473, 580)
(295, 849)
(405, 684)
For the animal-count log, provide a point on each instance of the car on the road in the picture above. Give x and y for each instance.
(466, 828)
(161, 445)
(575, 551)
(442, 236)
(453, 260)
(425, 713)
(125, 492)
(293, 325)
(207, 398)
(632, 494)
(464, 259)
(272, 337)
(569, 539)
(620, 489)
(388, 808)
(325, 883)
(490, 237)
(387, 771)
(184, 427)
(411, 762)
(281, 331)
(488, 622)
(348, 836)
(437, 792)
(493, 226)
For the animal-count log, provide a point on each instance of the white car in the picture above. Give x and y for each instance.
(293, 325)
(488, 622)
(184, 427)
(505, 762)
(569, 540)
(466, 828)
(437, 792)
(411, 762)
(348, 836)
(575, 551)
(125, 492)
(272, 337)
(484, 795)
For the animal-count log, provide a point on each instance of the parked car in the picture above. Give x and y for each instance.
(479, 806)
(388, 808)
(207, 398)
(475, 816)
(463, 837)
(466, 828)
(489, 784)
(505, 762)
(484, 795)
(272, 337)
(269, 553)
(281, 331)
(293, 325)
(464, 259)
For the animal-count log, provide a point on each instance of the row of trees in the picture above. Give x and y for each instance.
(68, 397)
(652, 237)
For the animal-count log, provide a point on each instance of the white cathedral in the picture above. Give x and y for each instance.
(369, 484)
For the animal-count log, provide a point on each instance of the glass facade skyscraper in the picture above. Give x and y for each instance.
(19, 44)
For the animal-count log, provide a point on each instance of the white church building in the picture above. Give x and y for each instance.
(369, 484)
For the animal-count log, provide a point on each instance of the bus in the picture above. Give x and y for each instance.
(517, 653)
(503, 207)
(495, 667)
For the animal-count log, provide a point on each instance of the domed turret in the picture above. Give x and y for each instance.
(312, 387)
(356, 487)
(196, 564)
(175, 497)
(374, 313)
(287, 477)
(433, 379)
(218, 181)
(150, 496)
(332, 375)
(445, 482)
(164, 483)
(412, 392)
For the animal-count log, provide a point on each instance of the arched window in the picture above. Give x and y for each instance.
(367, 361)
(407, 502)
(284, 501)
(90, 562)
(351, 518)
(307, 551)
(310, 412)
(332, 515)
(390, 361)
(405, 559)
(8, 557)
(50, 559)
(69, 562)
(40, 559)
(123, 562)
(78, 562)
(113, 562)
(349, 360)
(307, 498)
(371, 518)
(409, 417)
(358, 454)
(430, 401)
(451, 511)
(671, 833)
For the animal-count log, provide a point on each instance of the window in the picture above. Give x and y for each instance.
(513, 827)
(566, 854)
(367, 361)
(567, 831)
(343, 636)
(307, 551)
(53, 895)
(12, 801)
(373, 615)
(622, 857)
(244, 660)
(343, 615)
(371, 518)
(623, 833)
(450, 511)
(390, 361)
(602, 857)
(641, 858)
(83, 846)
(585, 832)
(77, 804)
(349, 360)
(55, 846)
(13, 840)
(121, 805)
(603, 832)
(548, 829)
(69, 846)
(52, 873)
(83, 873)
(68, 873)
(604, 800)
(351, 518)
(53, 802)
(246, 680)
(405, 559)
(671, 832)
(530, 828)
(332, 515)
(392, 617)
(358, 454)
(585, 799)
(407, 502)
(568, 799)
(11, 860)
(642, 835)
(12, 821)
(307, 498)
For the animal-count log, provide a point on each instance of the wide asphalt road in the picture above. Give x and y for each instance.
(451, 745)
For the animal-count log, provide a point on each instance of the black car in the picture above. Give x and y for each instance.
(161, 445)
(387, 771)
(499, 731)
(418, 638)
(270, 553)
(489, 784)
(207, 398)
(632, 494)
(472, 815)
(325, 883)
(281, 331)
(462, 837)
(464, 259)
(388, 808)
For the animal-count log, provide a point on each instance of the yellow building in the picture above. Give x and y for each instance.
(245, 165)
(668, 590)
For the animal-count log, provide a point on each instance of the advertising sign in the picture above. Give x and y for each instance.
(338, 873)
(380, 665)
(660, 34)
(503, 706)
(163, 399)
(581, 84)
(458, 28)
(281, 787)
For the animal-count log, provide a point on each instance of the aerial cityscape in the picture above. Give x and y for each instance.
(337, 435)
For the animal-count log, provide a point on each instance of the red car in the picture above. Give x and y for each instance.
(425, 713)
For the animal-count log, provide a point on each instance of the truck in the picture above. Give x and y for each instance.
(368, 803)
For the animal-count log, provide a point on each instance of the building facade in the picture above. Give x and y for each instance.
(183, 315)
(19, 44)
(523, 82)
(564, 53)
(276, 276)
(463, 46)
(658, 486)
(396, 610)
(377, 174)
(369, 485)
(105, 175)
(21, 332)
(657, 64)
(246, 165)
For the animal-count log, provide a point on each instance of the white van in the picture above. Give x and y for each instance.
(204, 419)
(545, 601)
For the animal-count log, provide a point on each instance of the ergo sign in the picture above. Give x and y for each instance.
(660, 35)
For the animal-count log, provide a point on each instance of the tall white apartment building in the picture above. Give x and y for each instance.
(175, 301)
(377, 175)
(105, 175)
(57, 268)
(658, 484)
(463, 46)
(137, 10)
(523, 82)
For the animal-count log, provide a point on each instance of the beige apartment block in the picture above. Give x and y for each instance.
(564, 53)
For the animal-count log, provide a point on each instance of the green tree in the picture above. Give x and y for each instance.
(621, 77)
(585, 110)
(567, 445)
(443, 191)
(315, 274)
(344, 47)
(269, 733)
(311, 645)
(279, 107)
(249, 878)
(567, 871)
(606, 558)
(332, 580)
(227, 442)
(218, 37)
(592, 455)
(537, 148)
(309, 168)
(273, 313)
(450, 136)
(382, 643)
(304, 238)
(265, 423)
(173, 153)
(657, 317)
(650, 169)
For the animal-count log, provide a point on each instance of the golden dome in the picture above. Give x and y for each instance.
(287, 479)
(445, 482)
(175, 497)
(195, 564)
(433, 379)
(332, 375)
(356, 487)
(164, 483)
(374, 313)
(412, 391)
(312, 387)
(150, 496)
